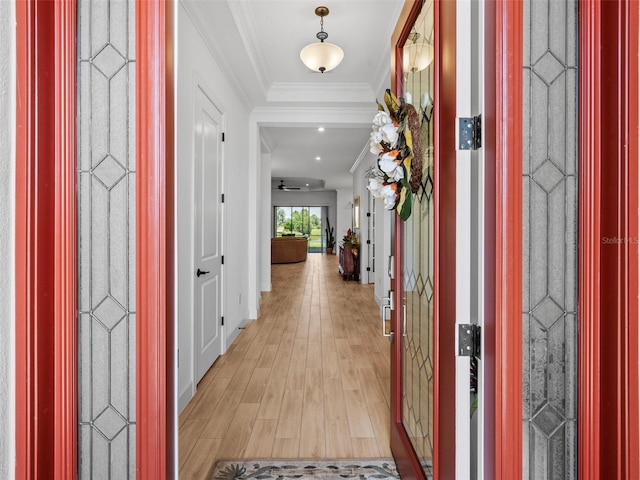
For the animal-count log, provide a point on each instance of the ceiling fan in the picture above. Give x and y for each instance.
(284, 188)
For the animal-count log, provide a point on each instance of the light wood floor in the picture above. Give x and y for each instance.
(308, 379)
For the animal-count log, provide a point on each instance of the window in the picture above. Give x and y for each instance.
(301, 222)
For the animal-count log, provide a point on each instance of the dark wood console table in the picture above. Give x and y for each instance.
(349, 266)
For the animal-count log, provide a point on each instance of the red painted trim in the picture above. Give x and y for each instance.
(25, 402)
(445, 239)
(589, 241)
(46, 412)
(503, 330)
(172, 427)
(633, 209)
(153, 240)
(65, 440)
(608, 279)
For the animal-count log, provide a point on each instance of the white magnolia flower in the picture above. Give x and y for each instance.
(384, 129)
(390, 134)
(374, 142)
(388, 192)
(391, 165)
(381, 119)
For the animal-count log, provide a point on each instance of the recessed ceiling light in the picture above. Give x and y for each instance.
(321, 129)
(307, 184)
(318, 158)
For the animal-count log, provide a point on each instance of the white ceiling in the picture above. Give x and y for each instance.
(258, 43)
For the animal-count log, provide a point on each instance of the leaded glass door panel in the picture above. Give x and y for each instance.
(418, 251)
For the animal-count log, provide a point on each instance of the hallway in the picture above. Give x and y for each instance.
(308, 379)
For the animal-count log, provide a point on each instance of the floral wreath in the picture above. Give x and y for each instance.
(396, 140)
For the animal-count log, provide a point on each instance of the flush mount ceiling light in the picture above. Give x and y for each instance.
(416, 56)
(321, 56)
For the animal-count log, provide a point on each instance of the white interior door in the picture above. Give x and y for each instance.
(208, 305)
(469, 237)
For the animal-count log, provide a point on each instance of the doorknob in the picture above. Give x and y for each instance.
(201, 272)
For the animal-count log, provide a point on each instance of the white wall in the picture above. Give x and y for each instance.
(7, 205)
(343, 211)
(197, 65)
(266, 221)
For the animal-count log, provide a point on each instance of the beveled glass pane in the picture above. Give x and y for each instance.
(106, 239)
(550, 205)
(418, 249)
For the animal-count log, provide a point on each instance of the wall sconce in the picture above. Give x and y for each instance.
(322, 56)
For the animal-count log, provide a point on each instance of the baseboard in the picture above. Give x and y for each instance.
(235, 332)
(185, 397)
(378, 298)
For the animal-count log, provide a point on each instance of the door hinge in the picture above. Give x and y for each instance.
(368, 269)
(368, 242)
(469, 340)
(469, 133)
(222, 321)
(223, 198)
(178, 358)
(223, 136)
(222, 259)
(368, 214)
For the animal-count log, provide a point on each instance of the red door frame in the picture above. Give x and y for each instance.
(502, 331)
(45, 271)
(608, 444)
(46, 413)
(46, 284)
(155, 422)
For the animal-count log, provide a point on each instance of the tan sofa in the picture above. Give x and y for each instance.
(288, 249)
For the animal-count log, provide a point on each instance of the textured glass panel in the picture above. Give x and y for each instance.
(550, 240)
(417, 405)
(119, 113)
(99, 247)
(106, 240)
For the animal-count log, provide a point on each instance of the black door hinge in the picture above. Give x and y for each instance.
(368, 214)
(222, 321)
(368, 269)
(222, 259)
(223, 136)
(469, 340)
(469, 133)
(368, 242)
(223, 198)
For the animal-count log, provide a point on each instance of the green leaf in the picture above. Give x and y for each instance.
(404, 203)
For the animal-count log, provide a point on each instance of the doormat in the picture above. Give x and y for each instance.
(304, 469)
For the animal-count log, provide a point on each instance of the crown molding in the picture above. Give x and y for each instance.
(246, 28)
(384, 63)
(363, 154)
(196, 17)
